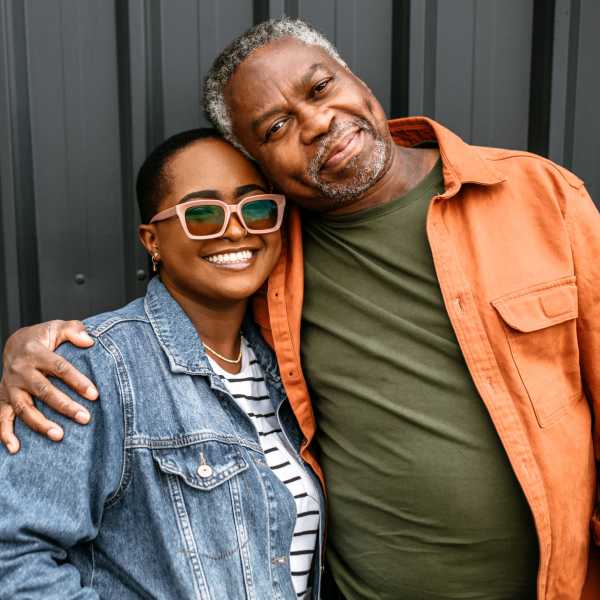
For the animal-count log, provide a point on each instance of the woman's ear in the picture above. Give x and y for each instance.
(148, 237)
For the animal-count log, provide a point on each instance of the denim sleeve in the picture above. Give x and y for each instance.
(52, 495)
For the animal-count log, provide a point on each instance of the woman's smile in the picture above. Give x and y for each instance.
(238, 259)
(204, 179)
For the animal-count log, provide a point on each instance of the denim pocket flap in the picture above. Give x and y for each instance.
(203, 466)
(540, 307)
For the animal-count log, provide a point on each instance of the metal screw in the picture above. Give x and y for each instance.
(79, 278)
(140, 274)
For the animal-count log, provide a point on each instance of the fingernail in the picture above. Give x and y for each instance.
(82, 417)
(12, 447)
(55, 434)
(91, 393)
(86, 337)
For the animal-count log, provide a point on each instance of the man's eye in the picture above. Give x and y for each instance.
(275, 128)
(320, 87)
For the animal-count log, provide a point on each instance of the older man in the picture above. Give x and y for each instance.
(442, 301)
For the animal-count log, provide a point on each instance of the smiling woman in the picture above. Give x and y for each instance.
(192, 450)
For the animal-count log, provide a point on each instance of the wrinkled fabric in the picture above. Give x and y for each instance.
(515, 241)
(166, 493)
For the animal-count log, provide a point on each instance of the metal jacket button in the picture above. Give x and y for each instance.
(204, 471)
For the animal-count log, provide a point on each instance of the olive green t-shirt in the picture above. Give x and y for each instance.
(423, 503)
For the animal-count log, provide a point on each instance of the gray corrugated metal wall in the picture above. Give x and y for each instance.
(87, 87)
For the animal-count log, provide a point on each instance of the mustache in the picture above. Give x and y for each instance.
(335, 134)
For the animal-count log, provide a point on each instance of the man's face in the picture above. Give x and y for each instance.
(315, 128)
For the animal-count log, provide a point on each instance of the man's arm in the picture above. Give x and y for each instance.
(28, 358)
(53, 495)
(583, 222)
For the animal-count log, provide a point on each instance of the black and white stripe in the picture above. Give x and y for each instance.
(250, 392)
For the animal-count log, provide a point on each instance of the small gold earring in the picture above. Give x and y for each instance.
(155, 261)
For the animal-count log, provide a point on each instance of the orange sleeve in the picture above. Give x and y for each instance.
(583, 222)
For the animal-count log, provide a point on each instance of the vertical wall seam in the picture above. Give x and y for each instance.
(573, 63)
(154, 89)
(540, 77)
(400, 58)
(22, 164)
(472, 91)
(260, 11)
(292, 8)
(123, 40)
(430, 58)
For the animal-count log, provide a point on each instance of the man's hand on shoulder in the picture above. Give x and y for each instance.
(28, 359)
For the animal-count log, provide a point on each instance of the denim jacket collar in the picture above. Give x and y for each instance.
(182, 344)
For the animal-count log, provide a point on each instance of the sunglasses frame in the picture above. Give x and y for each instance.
(179, 211)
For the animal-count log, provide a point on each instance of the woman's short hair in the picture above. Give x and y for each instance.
(152, 182)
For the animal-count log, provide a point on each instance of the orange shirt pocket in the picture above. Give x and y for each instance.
(541, 328)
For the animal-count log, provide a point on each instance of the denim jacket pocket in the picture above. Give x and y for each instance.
(204, 465)
(541, 328)
(204, 484)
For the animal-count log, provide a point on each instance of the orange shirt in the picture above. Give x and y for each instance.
(515, 241)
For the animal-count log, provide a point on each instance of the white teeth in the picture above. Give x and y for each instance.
(230, 257)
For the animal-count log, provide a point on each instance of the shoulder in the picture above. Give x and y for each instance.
(509, 162)
(111, 331)
(130, 316)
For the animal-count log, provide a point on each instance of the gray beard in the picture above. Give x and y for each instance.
(362, 177)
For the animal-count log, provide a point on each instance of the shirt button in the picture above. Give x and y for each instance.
(204, 471)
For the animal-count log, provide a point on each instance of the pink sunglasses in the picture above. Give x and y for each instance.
(205, 219)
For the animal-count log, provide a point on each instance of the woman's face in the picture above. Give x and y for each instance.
(212, 169)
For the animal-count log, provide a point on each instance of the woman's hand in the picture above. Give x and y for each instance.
(28, 358)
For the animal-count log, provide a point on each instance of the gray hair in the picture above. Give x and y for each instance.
(229, 60)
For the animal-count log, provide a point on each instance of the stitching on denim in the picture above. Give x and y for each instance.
(128, 415)
(218, 479)
(242, 535)
(93, 564)
(141, 441)
(185, 531)
(103, 327)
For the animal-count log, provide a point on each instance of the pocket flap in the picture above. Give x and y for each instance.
(539, 307)
(203, 466)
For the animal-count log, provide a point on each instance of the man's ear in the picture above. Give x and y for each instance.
(148, 237)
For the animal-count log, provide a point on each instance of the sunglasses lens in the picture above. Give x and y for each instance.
(260, 214)
(206, 219)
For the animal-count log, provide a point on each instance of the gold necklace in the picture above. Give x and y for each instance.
(227, 360)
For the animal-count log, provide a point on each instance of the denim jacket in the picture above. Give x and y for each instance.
(118, 509)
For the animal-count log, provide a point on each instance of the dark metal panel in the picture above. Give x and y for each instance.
(320, 14)
(469, 67)
(10, 313)
(501, 79)
(75, 143)
(364, 39)
(276, 8)
(586, 124)
(540, 97)
(455, 33)
(422, 57)
(559, 78)
(219, 22)
(180, 60)
(140, 122)
(400, 94)
(20, 303)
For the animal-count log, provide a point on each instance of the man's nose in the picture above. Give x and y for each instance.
(314, 121)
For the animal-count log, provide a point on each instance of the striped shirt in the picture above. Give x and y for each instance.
(250, 392)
